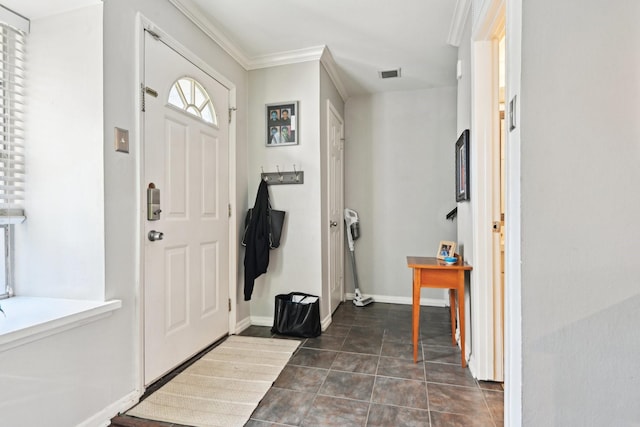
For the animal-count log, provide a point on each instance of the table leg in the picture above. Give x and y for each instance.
(460, 292)
(416, 312)
(452, 309)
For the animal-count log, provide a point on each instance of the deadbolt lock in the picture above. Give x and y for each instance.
(153, 203)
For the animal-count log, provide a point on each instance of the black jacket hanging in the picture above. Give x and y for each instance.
(256, 256)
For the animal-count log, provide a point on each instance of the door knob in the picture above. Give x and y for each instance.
(155, 235)
(333, 223)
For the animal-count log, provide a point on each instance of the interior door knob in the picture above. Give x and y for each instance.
(333, 223)
(155, 235)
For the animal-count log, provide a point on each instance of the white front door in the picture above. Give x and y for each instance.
(185, 150)
(336, 206)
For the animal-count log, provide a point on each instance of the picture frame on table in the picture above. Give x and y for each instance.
(462, 167)
(446, 249)
(282, 124)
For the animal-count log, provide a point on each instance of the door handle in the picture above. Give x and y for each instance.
(155, 235)
(333, 223)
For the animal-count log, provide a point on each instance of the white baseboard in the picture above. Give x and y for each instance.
(242, 325)
(471, 364)
(103, 418)
(268, 320)
(403, 300)
(324, 324)
(262, 320)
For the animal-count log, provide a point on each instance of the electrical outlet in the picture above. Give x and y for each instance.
(121, 140)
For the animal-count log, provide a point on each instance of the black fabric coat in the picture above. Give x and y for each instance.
(256, 256)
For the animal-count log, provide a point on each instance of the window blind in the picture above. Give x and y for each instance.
(12, 162)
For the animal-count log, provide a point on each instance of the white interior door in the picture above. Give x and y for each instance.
(186, 273)
(336, 205)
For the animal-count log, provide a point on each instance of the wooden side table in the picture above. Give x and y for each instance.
(431, 272)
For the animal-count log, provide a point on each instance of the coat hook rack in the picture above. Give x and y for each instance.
(282, 177)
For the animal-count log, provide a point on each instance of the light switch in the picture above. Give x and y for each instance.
(121, 140)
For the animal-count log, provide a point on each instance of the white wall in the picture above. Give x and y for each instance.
(64, 233)
(579, 133)
(399, 177)
(296, 264)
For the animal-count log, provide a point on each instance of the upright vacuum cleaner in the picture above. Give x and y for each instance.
(353, 232)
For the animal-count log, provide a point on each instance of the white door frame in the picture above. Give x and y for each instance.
(332, 109)
(484, 132)
(142, 24)
(513, 271)
(491, 15)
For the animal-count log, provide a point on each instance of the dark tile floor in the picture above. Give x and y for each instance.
(360, 372)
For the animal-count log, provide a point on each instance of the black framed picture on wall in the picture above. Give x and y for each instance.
(282, 124)
(462, 167)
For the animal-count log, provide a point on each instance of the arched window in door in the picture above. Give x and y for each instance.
(188, 95)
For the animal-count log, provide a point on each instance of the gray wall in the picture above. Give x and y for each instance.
(399, 177)
(300, 263)
(296, 264)
(121, 82)
(85, 375)
(580, 133)
(464, 223)
(464, 218)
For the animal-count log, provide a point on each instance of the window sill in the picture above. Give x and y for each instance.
(29, 319)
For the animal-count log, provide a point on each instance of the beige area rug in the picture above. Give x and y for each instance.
(222, 388)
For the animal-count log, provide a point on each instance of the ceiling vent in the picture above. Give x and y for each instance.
(389, 74)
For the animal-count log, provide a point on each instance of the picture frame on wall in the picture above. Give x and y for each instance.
(446, 249)
(282, 124)
(462, 167)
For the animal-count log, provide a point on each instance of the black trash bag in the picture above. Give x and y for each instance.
(298, 319)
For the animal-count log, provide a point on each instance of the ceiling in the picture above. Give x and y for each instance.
(363, 36)
(34, 9)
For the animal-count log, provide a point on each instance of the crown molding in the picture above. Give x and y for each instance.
(284, 58)
(460, 14)
(195, 15)
(332, 69)
(14, 19)
(315, 53)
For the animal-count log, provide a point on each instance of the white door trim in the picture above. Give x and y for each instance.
(331, 109)
(142, 24)
(485, 129)
(483, 28)
(513, 270)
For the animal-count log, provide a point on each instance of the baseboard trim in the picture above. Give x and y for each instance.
(103, 418)
(242, 325)
(262, 320)
(403, 300)
(326, 322)
(268, 320)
